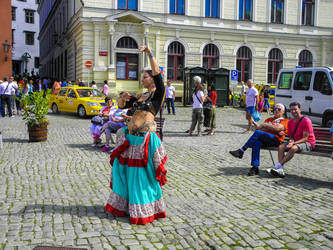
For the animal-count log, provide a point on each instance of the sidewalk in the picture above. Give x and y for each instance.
(54, 193)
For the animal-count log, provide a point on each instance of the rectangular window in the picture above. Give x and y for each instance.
(128, 4)
(322, 83)
(245, 10)
(212, 8)
(177, 7)
(302, 80)
(36, 62)
(285, 80)
(29, 16)
(308, 12)
(175, 67)
(13, 36)
(277, 11)
(29, 38)
(13, 13)
(127, 66)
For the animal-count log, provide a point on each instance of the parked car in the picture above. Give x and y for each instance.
(84, 101)
(312, 88)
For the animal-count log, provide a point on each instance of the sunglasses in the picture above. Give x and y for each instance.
(278, 109)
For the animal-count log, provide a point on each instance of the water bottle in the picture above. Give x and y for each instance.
(0, 141)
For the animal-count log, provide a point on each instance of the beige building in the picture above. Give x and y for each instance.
(257, 37)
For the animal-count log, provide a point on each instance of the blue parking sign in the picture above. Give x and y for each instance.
(234, 75)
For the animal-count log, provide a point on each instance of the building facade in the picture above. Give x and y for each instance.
(5, 39)
(256, 37)
(25, 30)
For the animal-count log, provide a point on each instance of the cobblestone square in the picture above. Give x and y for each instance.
(53, 193)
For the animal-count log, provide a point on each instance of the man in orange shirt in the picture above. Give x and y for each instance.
(269, 134)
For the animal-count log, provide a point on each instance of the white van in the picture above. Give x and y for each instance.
(312, 88)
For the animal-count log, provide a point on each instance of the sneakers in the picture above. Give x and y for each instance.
(106, 148)
(237, 153)
(253, 171)
(276, 172)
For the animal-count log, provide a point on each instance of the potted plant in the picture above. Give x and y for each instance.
(35, 107)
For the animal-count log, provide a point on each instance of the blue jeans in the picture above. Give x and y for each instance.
(257, 140)
(168, 101)
(266, 103)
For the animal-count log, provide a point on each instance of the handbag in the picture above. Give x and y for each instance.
(97, 120)
(256, 116)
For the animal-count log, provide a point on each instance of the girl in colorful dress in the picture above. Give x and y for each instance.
(138, 159)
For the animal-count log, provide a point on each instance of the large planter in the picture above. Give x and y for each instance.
(37, 132)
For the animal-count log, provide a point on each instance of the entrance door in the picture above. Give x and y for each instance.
(17, 67)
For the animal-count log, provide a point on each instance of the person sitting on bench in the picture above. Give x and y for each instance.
(300, 132)
(269, 134)
(331, 130)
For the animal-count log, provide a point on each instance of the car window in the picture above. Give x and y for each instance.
(71, 94)
(62, 92)
(89, 93)
(285, 80)
(302, 80)
(322, 83)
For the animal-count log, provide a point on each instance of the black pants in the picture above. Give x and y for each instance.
(6, 99)
(207, 117)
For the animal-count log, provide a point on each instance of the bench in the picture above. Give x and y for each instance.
(160, 123)
(323, 142)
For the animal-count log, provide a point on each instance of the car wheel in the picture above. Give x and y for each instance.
(81, 111)
(55, 108)
(328, 121)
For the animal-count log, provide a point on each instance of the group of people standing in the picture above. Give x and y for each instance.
(11, 91)
(204, 107)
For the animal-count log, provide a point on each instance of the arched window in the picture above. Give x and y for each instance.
(244, 63)
(305, 59)
(210, 56)
(275, 63)
(175, 61)
(127, 63)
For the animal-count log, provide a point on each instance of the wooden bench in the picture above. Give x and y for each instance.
(323, 142)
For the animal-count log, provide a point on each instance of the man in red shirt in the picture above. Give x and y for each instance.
(269, 134)
(301, 136)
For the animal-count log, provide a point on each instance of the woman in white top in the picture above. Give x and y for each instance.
(198, 99)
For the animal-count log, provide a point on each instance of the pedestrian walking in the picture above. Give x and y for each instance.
(105, 90)
(252, 102)
(212, 96)
(198, 99)
(266, 99)
(170, 94)
(7, 88)
(93, 85)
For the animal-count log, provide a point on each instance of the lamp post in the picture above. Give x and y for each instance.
(26, 56)
(6, 47)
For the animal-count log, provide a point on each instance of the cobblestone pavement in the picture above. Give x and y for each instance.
(53, 193)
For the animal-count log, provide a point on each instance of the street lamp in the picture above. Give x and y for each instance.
(6, 47)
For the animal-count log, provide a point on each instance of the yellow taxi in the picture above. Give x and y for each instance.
(84, 101)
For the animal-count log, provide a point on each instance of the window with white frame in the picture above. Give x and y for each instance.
(305, 59)
(308, 12)
(29, 16)
(277, 11)
(127, 63)
(210, 56)
(177, 7)
(212, 8)
(128, 4)
(244, 63)
(275, 63)
(246, 10)
(175, 61)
